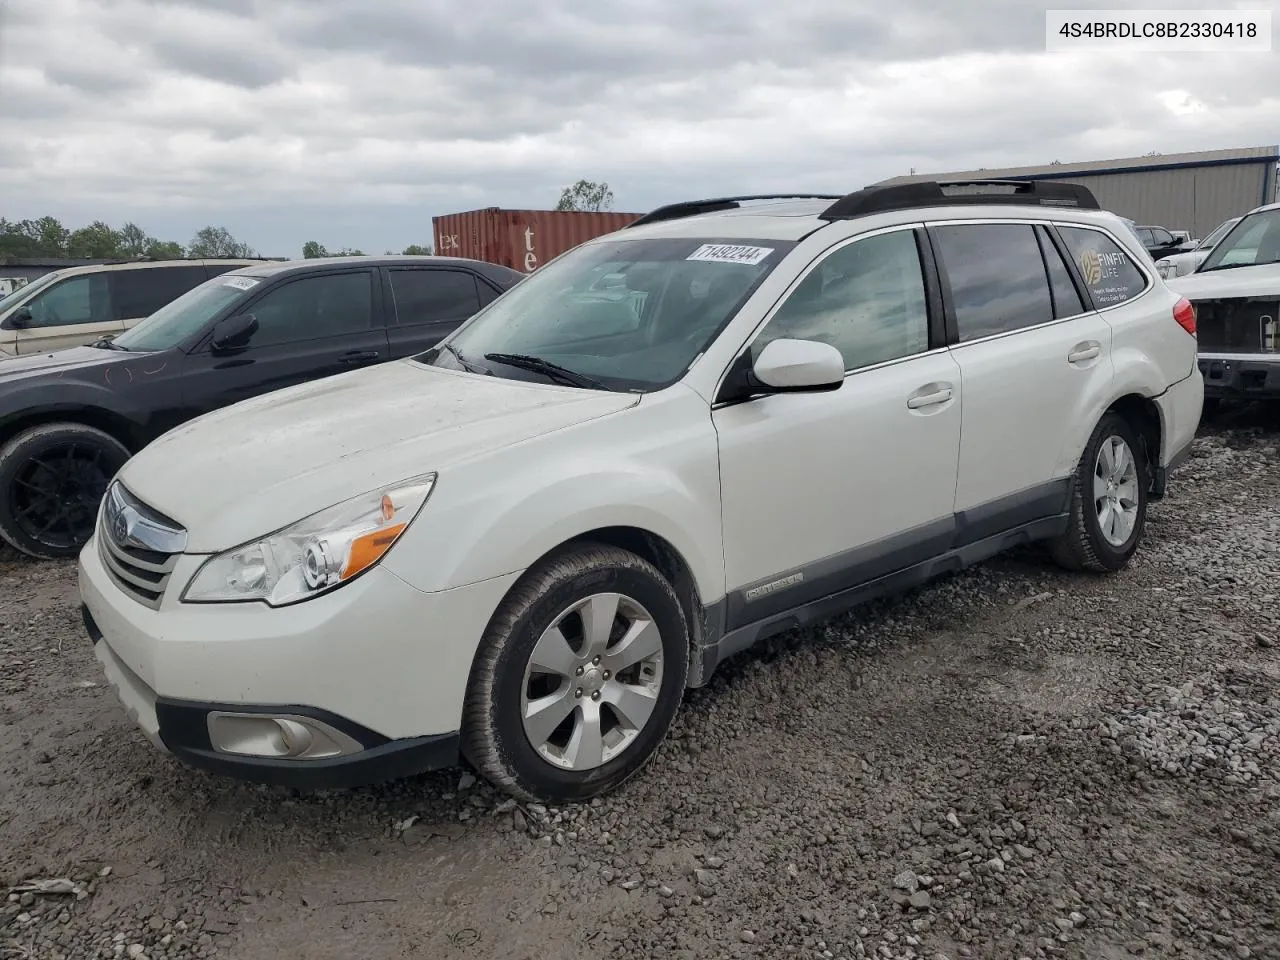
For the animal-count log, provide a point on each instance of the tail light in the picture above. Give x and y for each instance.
(1185, 313)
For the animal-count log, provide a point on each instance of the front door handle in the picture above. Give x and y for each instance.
(928, 395)
(359, 356)
(1084, 351)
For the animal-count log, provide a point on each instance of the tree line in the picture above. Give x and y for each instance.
(48, 237)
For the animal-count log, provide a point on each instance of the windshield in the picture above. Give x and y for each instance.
(1209, 242)
(24, 291)
(626, 314)
(1253, 241)
(179, 319)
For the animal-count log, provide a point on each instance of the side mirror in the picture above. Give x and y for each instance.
(799, 366)
(21, 318)
(234, 333)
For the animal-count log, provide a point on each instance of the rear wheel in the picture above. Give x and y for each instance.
(1108, 501)
(578, 677)
(52, 479)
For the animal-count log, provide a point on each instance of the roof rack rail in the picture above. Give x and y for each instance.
(930, 193)
(689, 208)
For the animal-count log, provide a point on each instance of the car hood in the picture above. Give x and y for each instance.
(1262, 280)
(58, 361)
(241, 472)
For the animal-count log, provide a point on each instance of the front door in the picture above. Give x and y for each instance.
(312, 327)
(824, 491)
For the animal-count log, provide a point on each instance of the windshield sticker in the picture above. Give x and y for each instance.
(730, 253)
(241, 283)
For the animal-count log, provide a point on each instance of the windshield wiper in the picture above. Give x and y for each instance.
(466, 364)
(106, 343)
(546, 367)
(1233, 266)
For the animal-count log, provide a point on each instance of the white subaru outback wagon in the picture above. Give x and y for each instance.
(723, 421)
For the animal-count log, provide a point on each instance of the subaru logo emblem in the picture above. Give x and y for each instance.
(120, 527)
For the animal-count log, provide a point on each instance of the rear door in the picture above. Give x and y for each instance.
(138, 293)
(309, 327)
(424, 304)
(1034, 359)
(70, 312)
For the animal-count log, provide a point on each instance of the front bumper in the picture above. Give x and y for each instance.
(1229, 376)
(369, 678)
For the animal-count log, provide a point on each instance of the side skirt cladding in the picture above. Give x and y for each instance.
(836, 584)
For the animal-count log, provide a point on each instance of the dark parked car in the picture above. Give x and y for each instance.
(71, 418)
(1161, 242)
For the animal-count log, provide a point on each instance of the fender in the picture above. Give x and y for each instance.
(1133, 373)
(656, 470)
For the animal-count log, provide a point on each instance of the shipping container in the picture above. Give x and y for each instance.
(521, 239)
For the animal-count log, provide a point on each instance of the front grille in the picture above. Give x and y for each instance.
(1238, 325)
(138, 546)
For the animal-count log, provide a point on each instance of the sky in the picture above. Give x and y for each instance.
(353, 123)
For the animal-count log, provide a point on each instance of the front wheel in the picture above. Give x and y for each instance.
(1108, 501)
(52, 479)
(578, 676)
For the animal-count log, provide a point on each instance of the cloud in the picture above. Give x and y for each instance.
(281, 118)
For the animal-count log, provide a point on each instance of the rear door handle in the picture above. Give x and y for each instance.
(1084, 351)
(359, 356)
(928, 395)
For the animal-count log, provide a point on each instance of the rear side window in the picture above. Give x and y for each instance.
(1108, 271)
(429, 296)
(140, 293)
(996, 275)
(1066, 299)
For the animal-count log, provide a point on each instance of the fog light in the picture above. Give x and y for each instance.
(284, 737)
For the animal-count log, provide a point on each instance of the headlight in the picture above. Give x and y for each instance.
(316, 554)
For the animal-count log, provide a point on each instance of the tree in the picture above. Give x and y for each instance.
(96, 241)
(586, 195)
(212, 242)
(417, 250)
(163, 250)
(313, 249)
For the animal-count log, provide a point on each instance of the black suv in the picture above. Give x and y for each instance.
(1161, 242)
(71, 418)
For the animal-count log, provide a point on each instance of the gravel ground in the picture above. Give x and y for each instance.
(1012, 763)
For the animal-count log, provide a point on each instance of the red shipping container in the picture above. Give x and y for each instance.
(521, 239)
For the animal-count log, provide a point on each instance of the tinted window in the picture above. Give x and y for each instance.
(998, 280)
(82, 299)
(487, 293)
(140, 293)
(424, 296)
(1066, 299)
(1109, 273)
(313, 308)
(1162, 236)
(866, 299)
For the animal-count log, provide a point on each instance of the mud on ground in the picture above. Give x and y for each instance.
(1014, 762)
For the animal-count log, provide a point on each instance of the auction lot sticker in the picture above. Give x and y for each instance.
(730, 253)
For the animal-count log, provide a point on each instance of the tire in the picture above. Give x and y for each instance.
(495, 737)
(93, 458)
(1086, 545)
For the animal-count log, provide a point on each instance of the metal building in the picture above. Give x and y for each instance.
(1180, 191)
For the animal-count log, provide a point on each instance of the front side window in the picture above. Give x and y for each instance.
(997, 277)
(82, 299)
(182, 318)
(627, 314)
(312, 308)
(867, 299)
(26, 290)
(1255, 240)
(1109, 273)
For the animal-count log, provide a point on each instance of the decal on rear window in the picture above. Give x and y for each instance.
(241, 283)
(730, 253)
